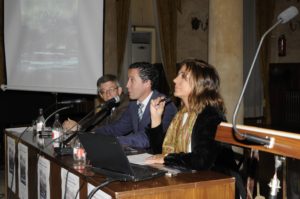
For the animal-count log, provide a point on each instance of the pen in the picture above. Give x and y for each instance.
(166, 99)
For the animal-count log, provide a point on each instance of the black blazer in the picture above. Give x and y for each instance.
(205, 150)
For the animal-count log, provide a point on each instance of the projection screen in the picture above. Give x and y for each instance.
(53, 45)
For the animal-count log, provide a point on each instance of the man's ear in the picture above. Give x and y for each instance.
(120, 90)
(148, 83)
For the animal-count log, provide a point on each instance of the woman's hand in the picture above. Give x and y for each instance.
(157, 107)
(155, 159)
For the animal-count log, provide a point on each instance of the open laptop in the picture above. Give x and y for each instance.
(108, 158)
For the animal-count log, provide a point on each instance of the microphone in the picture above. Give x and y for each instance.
(268, 142)
(75, 101)
(167, 100)
(109, 103)
(287, 14)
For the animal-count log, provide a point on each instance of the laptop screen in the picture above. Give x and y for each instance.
(105, 153)
(108, 158)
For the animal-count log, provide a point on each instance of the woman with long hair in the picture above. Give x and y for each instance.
(189, 141)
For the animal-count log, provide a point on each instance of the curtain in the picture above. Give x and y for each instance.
(253, 97)
(2, 59)
(167, 23)
(122, 10)
(264, 19)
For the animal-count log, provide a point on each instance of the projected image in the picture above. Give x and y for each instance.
(53, 25)
(50, 44)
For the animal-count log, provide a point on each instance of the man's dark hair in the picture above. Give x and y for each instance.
(108, 78)
(147, 72)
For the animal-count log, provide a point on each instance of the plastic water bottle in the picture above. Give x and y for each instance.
(40, 122)
(79, 155)
(57, 131)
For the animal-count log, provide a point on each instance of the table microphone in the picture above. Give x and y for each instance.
(268, 142)
(109, 103)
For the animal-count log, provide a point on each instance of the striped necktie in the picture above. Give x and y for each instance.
(140, 110)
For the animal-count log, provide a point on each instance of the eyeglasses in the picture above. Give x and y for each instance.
(108, 91)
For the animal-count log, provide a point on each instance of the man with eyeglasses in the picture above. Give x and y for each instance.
(108, 87)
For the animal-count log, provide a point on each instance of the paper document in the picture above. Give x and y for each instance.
(138, 158)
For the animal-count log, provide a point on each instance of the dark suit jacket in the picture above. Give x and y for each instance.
(130, 131)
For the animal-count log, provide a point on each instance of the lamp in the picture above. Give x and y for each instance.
(196, 23)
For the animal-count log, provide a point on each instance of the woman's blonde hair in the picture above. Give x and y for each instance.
(206, 85)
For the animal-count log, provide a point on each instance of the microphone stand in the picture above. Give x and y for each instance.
(268, 142)
(65, 142)
(90, 126)
(98, 120)
(63, 149)
(58, 110)
(104, 109)
(248, 138)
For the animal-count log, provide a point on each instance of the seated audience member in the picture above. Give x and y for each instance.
(189, 141)
(130, 128)
(108, 87)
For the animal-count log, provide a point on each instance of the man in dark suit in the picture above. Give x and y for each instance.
(108, 87)
(130, 129)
